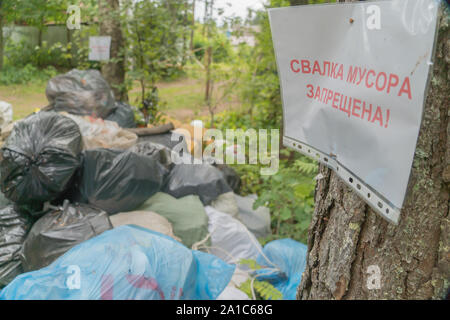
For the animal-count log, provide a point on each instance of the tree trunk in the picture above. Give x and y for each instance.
(208, 59)
(205, 19)
(40, 32)
(191, 46)
(185, 29)
(348, 241)
(114, 71)
(1, 40)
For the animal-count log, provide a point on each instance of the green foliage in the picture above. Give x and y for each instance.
(25, 74)
(221, 46)
(20, 54)
(81, 44)
(154, 32)
(38, 12)
(263, 290)
(261, 90)
(252, 264)
(150, 107)
(233, 120)
(23, 60)
(289, 195)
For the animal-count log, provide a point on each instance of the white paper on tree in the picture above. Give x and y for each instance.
(353, 79)
(99, 48)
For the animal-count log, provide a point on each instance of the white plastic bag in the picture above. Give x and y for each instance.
(6, 114)
(257, 221)
(226, 203)
(230, 239)
(232, 291)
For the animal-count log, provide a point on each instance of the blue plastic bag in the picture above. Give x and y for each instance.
(126, 263)
(287, 261)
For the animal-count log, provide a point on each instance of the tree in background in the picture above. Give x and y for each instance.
(8, 14)
(191, 45)
(347, 237)
(261, 87)
(154, 41)
(38, 13)
(4, 9)
(221, 65)
(110, 25)
(207, 26)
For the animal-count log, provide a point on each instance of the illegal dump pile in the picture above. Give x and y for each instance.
(91, 210)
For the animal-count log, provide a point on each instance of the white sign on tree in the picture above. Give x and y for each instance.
(353, 79)
(99, 48)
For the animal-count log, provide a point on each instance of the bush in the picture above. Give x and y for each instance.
(22, 53)
(22, 75)
(289, 194)
(222, 49)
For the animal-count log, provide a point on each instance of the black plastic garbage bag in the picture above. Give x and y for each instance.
(39, 158)
(157, 151)
(14, 227)
(169, 139)
(233, 179)
(59, 230)
(118, 181)
(4, 201)
(81, 92)
(203, 180)
(123, 115)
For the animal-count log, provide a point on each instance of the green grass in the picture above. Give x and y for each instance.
(182, 99)
(180, 94)
(24, 98)
(188, 97)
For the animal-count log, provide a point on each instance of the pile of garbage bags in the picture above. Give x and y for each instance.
(89, 210)
(126, 263)
(39, 158)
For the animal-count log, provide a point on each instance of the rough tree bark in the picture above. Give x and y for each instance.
(346, 236)
(114, 71)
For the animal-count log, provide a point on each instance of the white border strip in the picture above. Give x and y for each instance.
(375, 201)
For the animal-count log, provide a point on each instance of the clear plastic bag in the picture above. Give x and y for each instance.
(81, 92)
(98, 133)
(126, 263)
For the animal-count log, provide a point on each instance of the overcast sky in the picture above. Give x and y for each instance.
(236, 8)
